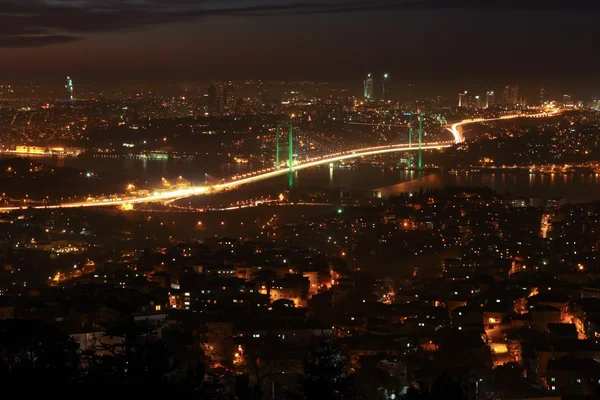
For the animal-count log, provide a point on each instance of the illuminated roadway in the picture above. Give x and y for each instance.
(236, 182)
(458, 136)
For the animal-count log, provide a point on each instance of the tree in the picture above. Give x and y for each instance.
(326, 373)
(35, 351)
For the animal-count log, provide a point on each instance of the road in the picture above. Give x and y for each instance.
(458, 136)
(236, 182)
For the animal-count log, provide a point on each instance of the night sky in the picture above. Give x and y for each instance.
(421, 40)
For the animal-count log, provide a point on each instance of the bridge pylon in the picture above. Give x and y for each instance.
(290, 150)
(410, 135)
(420, 141)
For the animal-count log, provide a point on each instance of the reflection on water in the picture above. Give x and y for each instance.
(575, 187)
(144, 170)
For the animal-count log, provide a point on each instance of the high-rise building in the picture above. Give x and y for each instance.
(461, 99)
(228, 96)
(489, 99)
(384, 86)
(523, 100)
(368, 87)
(544, 95)
(477, 102)
(212, 99)
(511, 95)
(69, 86)
(514, 94)
(567, 102)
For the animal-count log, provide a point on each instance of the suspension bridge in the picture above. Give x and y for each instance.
(292, 166)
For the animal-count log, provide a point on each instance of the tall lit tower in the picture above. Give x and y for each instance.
(511, 95)
(228, 95)
(544, 95)
(384, 86)
(69, 87)
(461, 97)
(368, 87)
(489, 99)
(211, 103)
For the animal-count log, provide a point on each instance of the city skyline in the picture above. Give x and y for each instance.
(300, 199)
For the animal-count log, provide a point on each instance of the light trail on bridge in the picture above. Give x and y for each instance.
(381, 125)
(459, 138)
(199, 190)
(311, 162)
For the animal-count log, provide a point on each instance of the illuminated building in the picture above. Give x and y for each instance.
(466, 100)
(489, 99)
(567, 102)
(368, 87)
(69, 87)
(212, 99)
(384, 87)
(477, 102)
(514, 94)
(544, 95)
(511, 95)
(228, 96)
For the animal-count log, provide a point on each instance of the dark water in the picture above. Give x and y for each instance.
(196, 170)
(575, 187)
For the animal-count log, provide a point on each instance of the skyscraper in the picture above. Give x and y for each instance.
(228, 96)
(511, 95)
(69, 87)
(461, 96)
(384, 86)
(514, 94)
(544, 95)
(368, 87)
(477, 102)
(489, 99)
(212, 99)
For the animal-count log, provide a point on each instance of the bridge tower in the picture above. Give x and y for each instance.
(410, 134)
(420, 116)
(290, 150)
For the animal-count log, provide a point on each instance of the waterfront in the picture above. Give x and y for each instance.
(573, 186)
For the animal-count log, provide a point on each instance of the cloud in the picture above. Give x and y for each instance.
(30, 23)
(21, 41)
